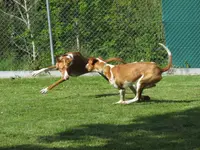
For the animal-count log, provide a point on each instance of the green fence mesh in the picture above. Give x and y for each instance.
(181, 19)
(130, 29)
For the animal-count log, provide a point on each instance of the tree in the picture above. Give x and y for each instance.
(20, 10)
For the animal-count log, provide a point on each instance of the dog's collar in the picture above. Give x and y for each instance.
(103, 76)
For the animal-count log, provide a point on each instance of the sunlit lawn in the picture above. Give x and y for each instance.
(79, 114)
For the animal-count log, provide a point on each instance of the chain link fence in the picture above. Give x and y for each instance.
(24, 34)
(129, 29)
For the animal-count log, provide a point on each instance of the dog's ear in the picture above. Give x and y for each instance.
(69, 61)
(94, 61)
(58, 58)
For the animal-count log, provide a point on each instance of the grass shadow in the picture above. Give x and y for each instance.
(177, 130)
(169, 131)
(105, 95)
(172, 101)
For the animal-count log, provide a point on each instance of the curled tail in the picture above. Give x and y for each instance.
(169, 58)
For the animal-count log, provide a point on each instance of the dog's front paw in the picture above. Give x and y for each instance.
(124, 102)
(44, 91)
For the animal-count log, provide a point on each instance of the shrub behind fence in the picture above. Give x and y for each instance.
(129, 29)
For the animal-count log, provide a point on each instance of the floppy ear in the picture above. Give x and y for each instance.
(58, 58)
(70, 60)
(94, 61)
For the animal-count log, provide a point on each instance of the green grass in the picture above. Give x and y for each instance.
(79, 115)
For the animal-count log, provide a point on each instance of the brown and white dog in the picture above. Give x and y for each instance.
(144, 74)
(69, 64)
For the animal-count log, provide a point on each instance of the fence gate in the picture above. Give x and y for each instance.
(181, 21)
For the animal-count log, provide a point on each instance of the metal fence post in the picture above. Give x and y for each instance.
(50, 32)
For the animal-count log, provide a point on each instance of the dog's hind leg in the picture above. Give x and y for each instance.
(143, 97)
(133, 89)
(139, 89)
(144, 81)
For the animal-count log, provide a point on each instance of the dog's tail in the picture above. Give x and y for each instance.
(115, 59)
(169, 58)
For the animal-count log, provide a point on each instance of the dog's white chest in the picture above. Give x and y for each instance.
(112, 82)
(112, 79)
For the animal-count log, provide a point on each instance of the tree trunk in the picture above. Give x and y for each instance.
(29, 28)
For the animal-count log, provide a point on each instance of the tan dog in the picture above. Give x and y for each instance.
(144, 74)
(69, 64)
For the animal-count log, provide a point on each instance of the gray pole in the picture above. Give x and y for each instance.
(50, 32)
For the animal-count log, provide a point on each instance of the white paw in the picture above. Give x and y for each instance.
(120, 102)
(130, 101)
(125, 102)
(44, 91)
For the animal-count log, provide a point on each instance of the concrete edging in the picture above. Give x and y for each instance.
(27, 74)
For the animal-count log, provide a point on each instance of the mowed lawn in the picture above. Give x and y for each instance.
(79, 114)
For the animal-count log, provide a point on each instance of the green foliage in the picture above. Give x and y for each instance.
(129, 29)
